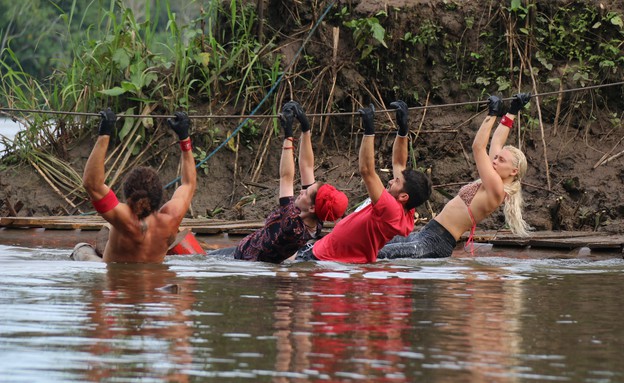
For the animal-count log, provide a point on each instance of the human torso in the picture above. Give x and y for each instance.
(284, 232)
(359, 237)
(143, 241)
(468, 208)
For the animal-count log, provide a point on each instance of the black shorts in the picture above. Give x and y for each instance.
(305, 253)
(432, 241)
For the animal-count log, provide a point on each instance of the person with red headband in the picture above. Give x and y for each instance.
(297, 219)
(359, 237)
(140, 230)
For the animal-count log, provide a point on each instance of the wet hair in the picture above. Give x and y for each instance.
(514, 200)
(143, 191)
(417, 186)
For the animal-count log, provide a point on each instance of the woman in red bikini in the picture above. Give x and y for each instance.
(500, 172)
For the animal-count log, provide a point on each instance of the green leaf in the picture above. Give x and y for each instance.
(379, 34)
(129, 86)
(121, 58)
(204, 58)
(540, 57)
(149, 77)
(516, 4)
(114, 92)
(126, 128)
(607, 64)
(617, 20)
(482, 81)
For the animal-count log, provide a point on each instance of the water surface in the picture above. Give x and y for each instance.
(504, 317)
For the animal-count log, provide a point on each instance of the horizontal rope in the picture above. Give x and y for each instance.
(329, 114)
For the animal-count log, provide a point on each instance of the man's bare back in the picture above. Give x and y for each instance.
(140, 231)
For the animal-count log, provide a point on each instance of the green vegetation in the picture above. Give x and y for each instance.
(112, 59)
(153, 57)
(368, 33)
(579, 44)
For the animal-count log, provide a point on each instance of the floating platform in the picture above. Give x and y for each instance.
(215, 230)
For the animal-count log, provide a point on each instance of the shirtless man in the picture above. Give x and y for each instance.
(140, 231)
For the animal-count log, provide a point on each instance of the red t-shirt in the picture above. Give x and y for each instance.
(359, 237)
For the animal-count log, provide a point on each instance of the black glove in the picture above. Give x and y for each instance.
(401, 117)
(107, 124)
(368, 115)
(287, 118)
(180, 124)
(495, 106)
(300, 114)
(518, 102)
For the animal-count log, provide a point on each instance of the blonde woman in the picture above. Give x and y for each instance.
(500, 172)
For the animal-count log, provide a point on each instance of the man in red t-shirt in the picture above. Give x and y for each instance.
(359, 237)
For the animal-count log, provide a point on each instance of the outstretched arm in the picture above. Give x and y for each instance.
(180, 202)
(287, 161)
(489, 177)
(366, 160)
(306, 154)
(399, 148)
(306, 159)
(93, 179)
(93, 176)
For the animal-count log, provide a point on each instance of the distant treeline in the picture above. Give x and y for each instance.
(42, 33)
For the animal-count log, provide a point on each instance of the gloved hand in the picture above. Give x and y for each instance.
(287, 118)
(107, 123)
(368, 115)
(180, 124)
(495, 106)
(300, 115)
(518, 102)
(401, 117)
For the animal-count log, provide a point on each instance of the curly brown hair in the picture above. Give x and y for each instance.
(143, 191)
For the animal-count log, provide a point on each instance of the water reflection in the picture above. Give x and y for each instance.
(458, 320)
(397, 329)
(139, 322)
(361, 327)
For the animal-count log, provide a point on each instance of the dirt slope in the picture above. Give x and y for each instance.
(564, 188)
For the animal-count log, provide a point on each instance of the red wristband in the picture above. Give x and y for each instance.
(508, 122)
(186, 145)
(107, 203)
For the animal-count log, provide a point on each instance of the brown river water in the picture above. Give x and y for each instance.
(498, 316)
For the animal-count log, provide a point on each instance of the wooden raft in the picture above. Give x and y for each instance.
(197, 225)
(202, 226)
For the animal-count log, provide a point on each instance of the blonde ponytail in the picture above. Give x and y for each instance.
(514, 201)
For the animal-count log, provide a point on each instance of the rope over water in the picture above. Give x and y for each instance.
(328, 114)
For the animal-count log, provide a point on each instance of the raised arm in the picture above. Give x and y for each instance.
(489, 177)
(287, 161)
(366, 161)
(504, 127)
(306, 154)
(93, 176)
(103, 198)
(399, 148)
(179, 203)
